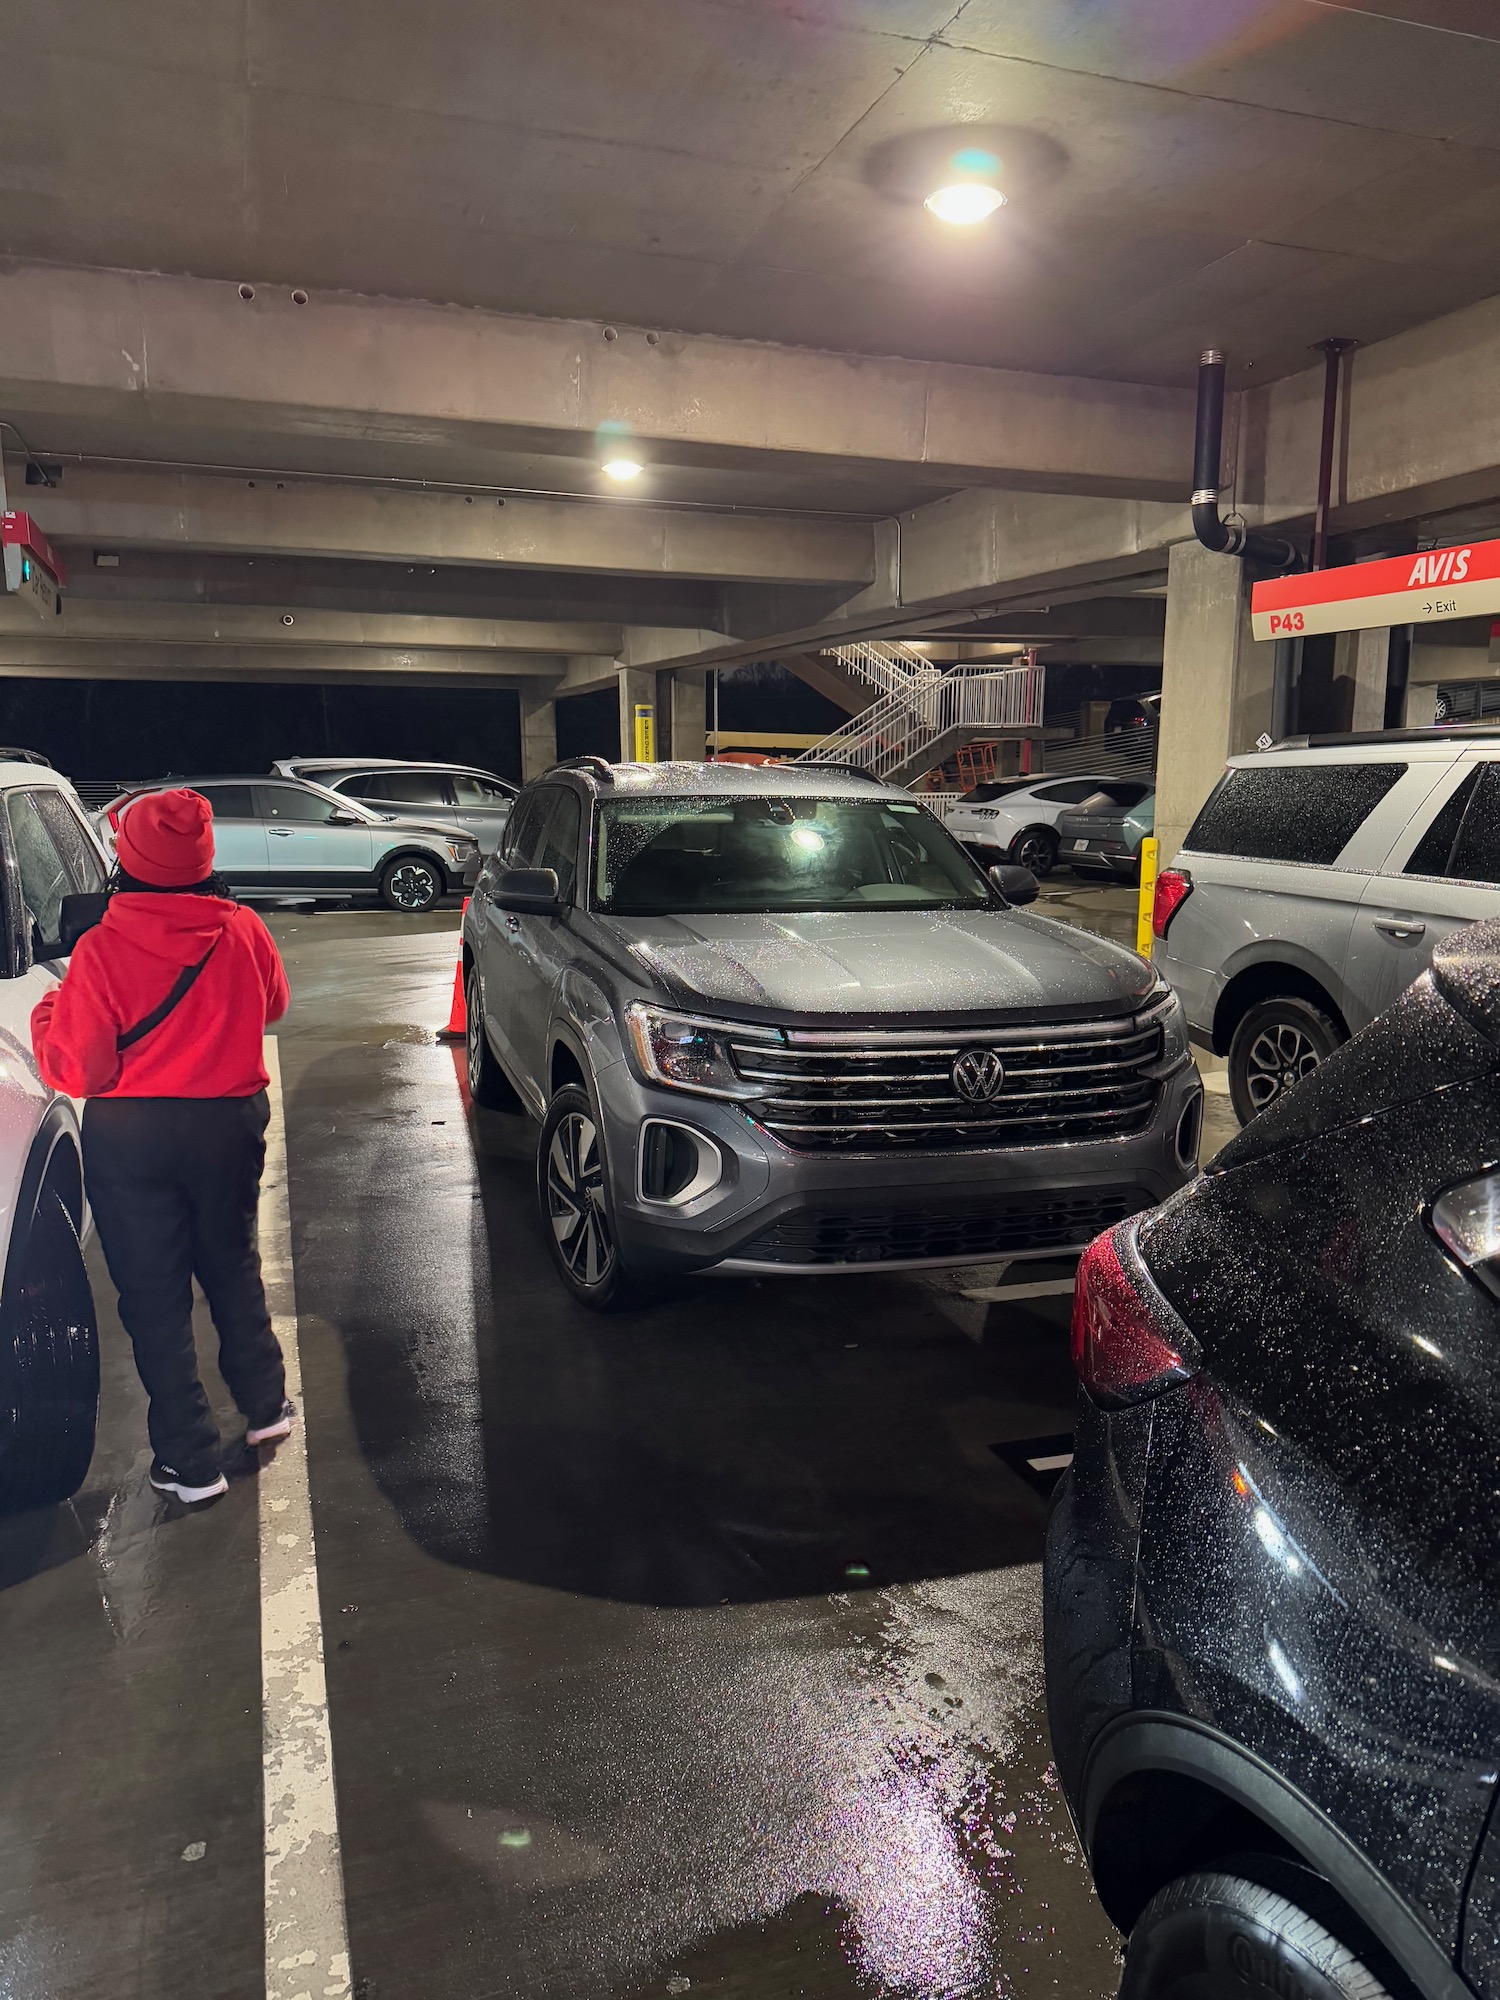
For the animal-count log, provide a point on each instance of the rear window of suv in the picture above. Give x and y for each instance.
(1291, 812)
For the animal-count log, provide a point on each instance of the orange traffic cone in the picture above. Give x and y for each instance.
(458, 1014)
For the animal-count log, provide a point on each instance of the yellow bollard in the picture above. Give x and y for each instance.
(1144, 937)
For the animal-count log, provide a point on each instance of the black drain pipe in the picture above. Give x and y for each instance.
(1223, 537)
(1235, 539)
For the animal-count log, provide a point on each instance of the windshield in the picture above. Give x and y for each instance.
(660, 856)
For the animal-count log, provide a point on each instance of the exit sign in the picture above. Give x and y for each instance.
(34, 572)
(1462, 582)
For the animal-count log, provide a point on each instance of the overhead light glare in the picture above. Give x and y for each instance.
(622, 468)
(965, 202)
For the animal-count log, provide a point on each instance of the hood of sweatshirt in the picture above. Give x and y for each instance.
(176, 929)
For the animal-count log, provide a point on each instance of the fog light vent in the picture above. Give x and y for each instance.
(677, 1163)
(1190, 1130)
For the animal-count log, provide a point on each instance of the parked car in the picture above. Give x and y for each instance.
(1133, 711)
(1313, 886)
(1019, 817)
(1102, 835)
(460, 796)
(777, 1021)
(49, 1349)
(285, 837)
(1272, 1577)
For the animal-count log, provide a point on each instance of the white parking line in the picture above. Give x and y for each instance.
(307, 1939)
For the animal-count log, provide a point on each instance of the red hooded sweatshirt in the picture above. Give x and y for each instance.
(208, 1046)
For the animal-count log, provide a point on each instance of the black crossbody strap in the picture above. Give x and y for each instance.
(159, 1013)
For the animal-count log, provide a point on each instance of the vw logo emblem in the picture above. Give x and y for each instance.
(978, 1075)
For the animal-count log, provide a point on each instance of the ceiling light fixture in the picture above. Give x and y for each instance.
(621, 468)
(964, 202)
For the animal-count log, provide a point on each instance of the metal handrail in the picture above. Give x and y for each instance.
(890, 734)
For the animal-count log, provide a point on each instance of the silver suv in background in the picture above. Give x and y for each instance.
(1313, 886)
(776, 1020)
(280, 837)
(463, 796)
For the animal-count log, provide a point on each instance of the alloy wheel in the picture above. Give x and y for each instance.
(473, 1036)
(1034, 851)
(1281, 1055)
(575, 1199)
(412, 886)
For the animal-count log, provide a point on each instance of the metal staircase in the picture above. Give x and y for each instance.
(925, 714)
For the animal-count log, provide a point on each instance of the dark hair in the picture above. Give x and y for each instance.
(121, 884)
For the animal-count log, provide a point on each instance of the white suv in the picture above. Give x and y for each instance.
(1313, 886)
(49, 1350)
(1018, 816)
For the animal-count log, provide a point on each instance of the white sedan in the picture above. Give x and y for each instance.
(1019, 816)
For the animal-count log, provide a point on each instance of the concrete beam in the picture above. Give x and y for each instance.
(115, 508)
(192, 353)
(107, 659)
(299, 627)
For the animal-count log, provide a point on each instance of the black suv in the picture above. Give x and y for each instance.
(1273, 1571)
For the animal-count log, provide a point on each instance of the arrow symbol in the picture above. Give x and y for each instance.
(1428, 605)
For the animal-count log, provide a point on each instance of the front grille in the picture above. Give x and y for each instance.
(1004, 1226)
(864, 1092)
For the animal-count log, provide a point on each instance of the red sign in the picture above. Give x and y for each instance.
(1462, 582)
(19, 531)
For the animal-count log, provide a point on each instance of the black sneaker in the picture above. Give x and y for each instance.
(167, 1479)
(273, 1429)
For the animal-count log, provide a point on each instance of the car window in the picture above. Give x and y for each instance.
(80, 856)
(1291, 812)
(1463, 841)
(661, 855)
(285, 802)
(525, 828)
(472, 791)
(1113, 797)
(1070, 792)
(402, 788)
(559, 846)
(230, 801)
(44, 874)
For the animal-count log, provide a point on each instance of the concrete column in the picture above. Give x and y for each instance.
(538, 732)
(637, 689)
(1215, 684)
(688, 731)
(1359, 663)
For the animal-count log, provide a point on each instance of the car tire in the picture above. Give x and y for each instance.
(1212, 1933)
(489, 1086)
(577, 1213)
(1278, 1042)
(1035, 849)
(49, 1364)
(411, 884)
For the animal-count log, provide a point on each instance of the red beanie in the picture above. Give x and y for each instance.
(167, 839)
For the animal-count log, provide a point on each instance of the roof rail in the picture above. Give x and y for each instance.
(1436, 732)
(845, 770)
(11, 753)
(596, 767)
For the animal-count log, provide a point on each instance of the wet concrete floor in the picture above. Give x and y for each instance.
(692, 1652)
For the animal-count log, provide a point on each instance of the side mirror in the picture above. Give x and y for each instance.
(79, 914)
(1018, 886)
(344, 819)
(528, 891)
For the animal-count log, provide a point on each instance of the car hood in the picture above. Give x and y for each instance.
(430, 827)
(920, 964)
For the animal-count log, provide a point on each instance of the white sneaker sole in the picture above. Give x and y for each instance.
(191, 1494)
(271, 1433)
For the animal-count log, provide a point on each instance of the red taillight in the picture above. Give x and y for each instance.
(1173, 887)
(1120, 1349)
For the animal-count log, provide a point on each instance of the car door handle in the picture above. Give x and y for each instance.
(513, 923)
(1406, 929)
(281, 832)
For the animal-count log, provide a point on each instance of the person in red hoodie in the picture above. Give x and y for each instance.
(159, 1023)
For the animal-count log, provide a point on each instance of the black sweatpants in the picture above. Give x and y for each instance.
(174, 1183)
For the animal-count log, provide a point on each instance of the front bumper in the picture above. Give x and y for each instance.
(462, 876)
(777, 1211)
(1093, 856)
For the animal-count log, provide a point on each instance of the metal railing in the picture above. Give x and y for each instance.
(1123, 753)
(888, 664)
(890, 738)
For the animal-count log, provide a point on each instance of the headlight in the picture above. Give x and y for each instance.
(1164, 1009)
(1466, 1221)
(688, 1052)
(461, 850)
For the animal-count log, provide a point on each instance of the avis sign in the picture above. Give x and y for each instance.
(1461, 582)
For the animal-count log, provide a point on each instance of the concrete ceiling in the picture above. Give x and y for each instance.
(1258, 173)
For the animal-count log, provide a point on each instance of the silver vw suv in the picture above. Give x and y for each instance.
(776, 1020)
